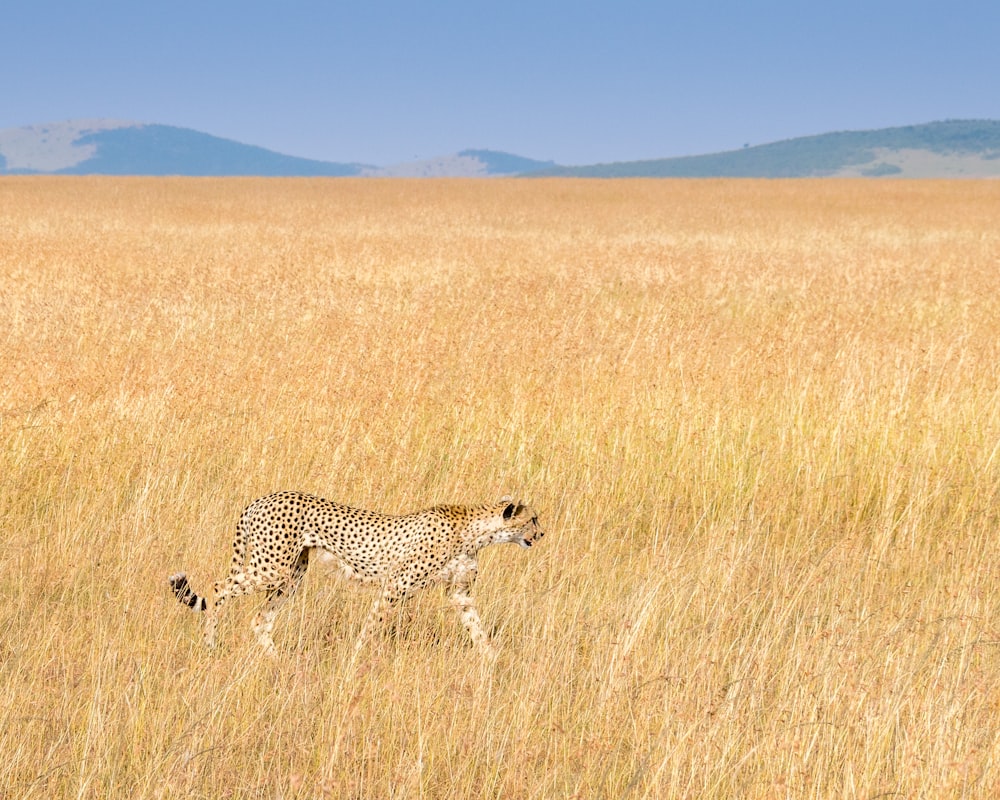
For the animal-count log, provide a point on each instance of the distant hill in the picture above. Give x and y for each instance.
(466, 164)
(107, 147)
(113, 147)
(954, 148)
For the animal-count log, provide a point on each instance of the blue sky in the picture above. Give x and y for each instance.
(581, 82)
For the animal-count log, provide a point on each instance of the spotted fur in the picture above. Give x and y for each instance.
(275, 535)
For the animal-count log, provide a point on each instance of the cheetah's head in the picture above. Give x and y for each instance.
(520, 522)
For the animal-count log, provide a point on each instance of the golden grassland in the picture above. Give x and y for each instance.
(760, 422)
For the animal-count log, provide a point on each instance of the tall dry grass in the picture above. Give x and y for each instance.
(760, 420)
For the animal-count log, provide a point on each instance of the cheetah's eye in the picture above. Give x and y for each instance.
(508, 512)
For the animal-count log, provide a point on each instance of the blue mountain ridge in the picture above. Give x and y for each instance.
(151, 149)
(167, 150)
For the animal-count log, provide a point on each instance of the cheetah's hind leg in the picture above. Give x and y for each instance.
(233, 586)
(276, 598)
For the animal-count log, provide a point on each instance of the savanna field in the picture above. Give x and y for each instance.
(760, 422)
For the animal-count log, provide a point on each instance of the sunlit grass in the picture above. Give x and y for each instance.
(760, 422)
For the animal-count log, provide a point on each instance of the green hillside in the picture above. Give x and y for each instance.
(872, 153)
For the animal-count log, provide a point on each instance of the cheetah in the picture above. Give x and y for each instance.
(275, 535)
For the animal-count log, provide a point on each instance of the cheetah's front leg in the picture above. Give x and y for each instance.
(469, 614)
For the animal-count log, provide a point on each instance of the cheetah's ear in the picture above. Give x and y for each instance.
(505, 499)
(508, 511)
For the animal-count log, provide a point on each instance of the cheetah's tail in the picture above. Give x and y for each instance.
(185, 594)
